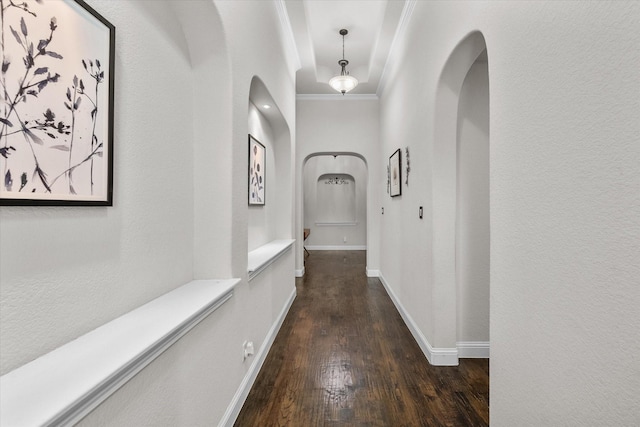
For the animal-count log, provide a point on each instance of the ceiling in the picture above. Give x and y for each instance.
(372, 25)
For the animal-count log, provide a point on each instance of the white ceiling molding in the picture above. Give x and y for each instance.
(407, 12)
(290, 42)
(337, 97)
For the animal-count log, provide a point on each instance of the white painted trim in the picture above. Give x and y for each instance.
(336, 248)
(373, 273)
(233, 410)
(260, 258)
(473, 349)
(290, 41)
(436, 356)
(300, 273)
(336, 97)
(405, 18)
(336, 224)
(63, 386)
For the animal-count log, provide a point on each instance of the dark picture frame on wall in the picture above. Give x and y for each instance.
(56, 126)
(395, 172)
(257, 172)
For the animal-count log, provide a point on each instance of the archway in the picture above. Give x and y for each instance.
(335, 202)
(445, 194)
(472, 213)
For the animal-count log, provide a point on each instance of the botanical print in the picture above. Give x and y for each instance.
(394, 164)
(388, 179)
(54, 115)
(406, 156)
(256, 172)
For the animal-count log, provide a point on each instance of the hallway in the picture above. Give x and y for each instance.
(344, 357)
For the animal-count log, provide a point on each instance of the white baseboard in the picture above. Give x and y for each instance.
(373, 273)
(233, 410)
(337, 248)
(300, 273)
(435, 356)
(473, 349)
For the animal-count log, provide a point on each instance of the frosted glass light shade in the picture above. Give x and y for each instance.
(343, 83)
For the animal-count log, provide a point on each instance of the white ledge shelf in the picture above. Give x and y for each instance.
(260, 258)
(63, 386)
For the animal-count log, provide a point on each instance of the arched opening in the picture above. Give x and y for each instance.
(452, 134)
(335, 201)
(273, 219)
(472, 213)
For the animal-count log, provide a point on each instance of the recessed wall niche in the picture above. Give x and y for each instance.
(336, 198)
(271, 221)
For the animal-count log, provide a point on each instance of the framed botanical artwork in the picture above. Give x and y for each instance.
(257, 176)
(56, 115)
(394, 172)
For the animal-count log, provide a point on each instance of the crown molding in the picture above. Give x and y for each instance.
(287, 31)
(405, 18)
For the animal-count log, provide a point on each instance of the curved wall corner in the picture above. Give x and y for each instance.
(444, 176)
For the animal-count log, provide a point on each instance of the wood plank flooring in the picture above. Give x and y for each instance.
(344, 357)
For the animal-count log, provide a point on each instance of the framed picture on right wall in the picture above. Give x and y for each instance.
(394, 172)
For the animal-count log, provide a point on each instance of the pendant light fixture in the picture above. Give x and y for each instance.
(344, 82)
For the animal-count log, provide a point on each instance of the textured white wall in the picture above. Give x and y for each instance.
(314, 203)
(341, 126)
(66, 270)
(472, 214)
(180, 211)
(564, 179)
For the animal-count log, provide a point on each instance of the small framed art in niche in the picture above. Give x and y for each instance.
(394, 174)
(257, 172)
(56, 126)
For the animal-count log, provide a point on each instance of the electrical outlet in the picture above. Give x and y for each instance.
(247, 350)
(344, 239)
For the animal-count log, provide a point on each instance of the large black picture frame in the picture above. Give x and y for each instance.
(56, 131)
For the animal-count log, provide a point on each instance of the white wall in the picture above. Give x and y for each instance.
(472, 222)
(342, 125)
(564, 182)
(66, 270)
(180, 210)
(316, 202)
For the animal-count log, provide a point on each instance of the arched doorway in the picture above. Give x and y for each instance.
(449, 125)
(334, 194)
(472, 213)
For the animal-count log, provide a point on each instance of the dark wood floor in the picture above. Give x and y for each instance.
(344, 357)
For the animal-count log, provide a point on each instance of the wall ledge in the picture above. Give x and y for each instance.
(260, 258)
(435, 356)
(63, 386)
